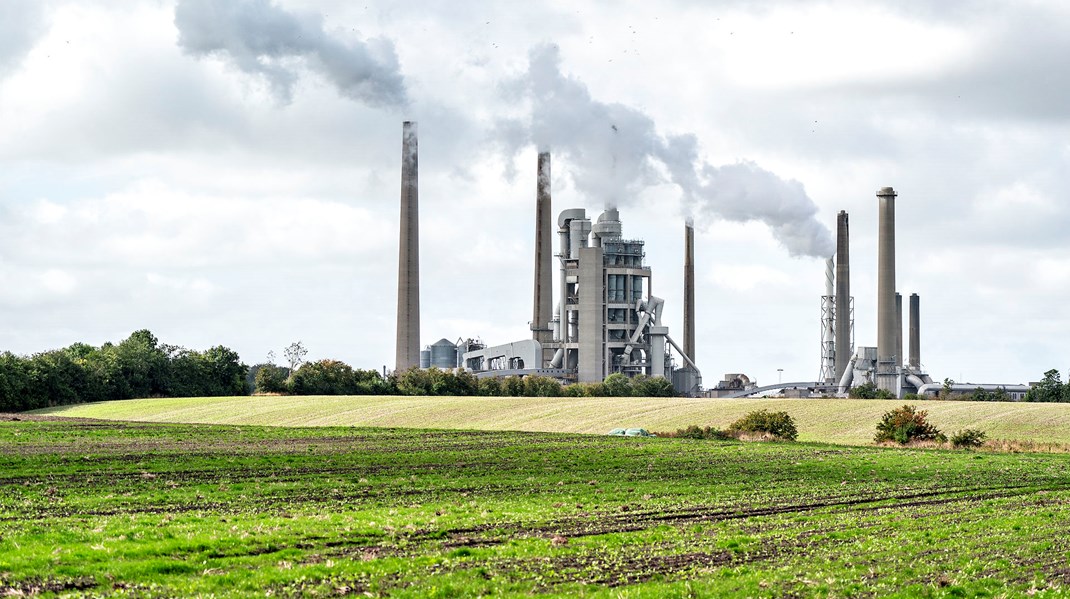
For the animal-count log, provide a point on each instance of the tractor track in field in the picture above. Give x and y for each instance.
(631, 521)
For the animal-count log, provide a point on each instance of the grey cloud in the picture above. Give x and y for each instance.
(260, 38)
(616, 151)
(21, 22)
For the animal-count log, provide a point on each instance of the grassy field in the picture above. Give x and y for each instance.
(846, 421)
(141, 509)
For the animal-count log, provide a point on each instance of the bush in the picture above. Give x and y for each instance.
(869, 390)
(653, 386)
(907, 424)
(513, 386)
(541, 386)
(698, 432)
(777, 424)
(617, 385)
(490, 386)
(967, 438)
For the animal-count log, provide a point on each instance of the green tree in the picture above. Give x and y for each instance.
(323, 377)
(541, 386)
(414, 381)
(1050, 389)
(224, 372)
(653, 386)
(616, 385)
(513, 386)
(15, 383)
(869, 390)
(490, 386)
(271, 378)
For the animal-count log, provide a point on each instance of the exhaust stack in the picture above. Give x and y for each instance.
(689, 289)
(843, 348)
(543, 300)
(900, 358)
(887, 375)
(915, 332)
(408, 341)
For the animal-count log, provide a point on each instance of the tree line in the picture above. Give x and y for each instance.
(140, 366)
(331, 377)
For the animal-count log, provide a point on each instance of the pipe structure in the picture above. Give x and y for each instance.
(543, 300)
(408, 340)
(689, 289)
(847, 376)
(899, 357)
(915, 332)
(887, 377)
(843, 349)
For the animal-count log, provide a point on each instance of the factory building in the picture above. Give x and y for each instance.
(607, 320)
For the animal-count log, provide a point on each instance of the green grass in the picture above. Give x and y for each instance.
(129, 509)
(845, 421)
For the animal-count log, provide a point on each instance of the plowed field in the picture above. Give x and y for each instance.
(160, 510)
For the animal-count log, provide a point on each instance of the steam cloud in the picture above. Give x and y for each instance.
(616, 151)
(262, 39)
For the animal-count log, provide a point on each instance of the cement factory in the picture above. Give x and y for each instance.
(607, 319)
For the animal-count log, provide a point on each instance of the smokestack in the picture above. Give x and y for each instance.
(689, 289)
(886, 314)
(843, 294)
(408, 342)
(543, 302)
(899, 358)
(915, 332)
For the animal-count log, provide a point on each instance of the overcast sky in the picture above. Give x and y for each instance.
(228, 172)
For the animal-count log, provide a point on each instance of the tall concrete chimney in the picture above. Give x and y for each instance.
(887, 377)
(689, 289)
(543, 301)
(915, 332)
(899, 357)
(843, 294)
(408, 342)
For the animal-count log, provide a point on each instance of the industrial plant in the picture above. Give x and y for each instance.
(606, 319)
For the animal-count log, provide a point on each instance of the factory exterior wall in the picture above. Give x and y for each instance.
(591, 315)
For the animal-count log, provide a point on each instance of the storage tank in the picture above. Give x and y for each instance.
(425, 358)
(444, 354)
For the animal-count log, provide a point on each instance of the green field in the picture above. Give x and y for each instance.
(845, 421)
(161, 510)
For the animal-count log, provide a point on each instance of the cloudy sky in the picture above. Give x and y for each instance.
(228, 172)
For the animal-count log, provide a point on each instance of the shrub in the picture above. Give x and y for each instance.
(698, 432)
(869, 390)
(541, 386)
(616, 385)
(907, 424)
(490, 386)
(967, 438)
(777, 424)
(653, 386)
(513, 386)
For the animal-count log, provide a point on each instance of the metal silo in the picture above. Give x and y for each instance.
(444, 354)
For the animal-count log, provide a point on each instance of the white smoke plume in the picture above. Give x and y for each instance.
(615, 151)
(262, 39)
